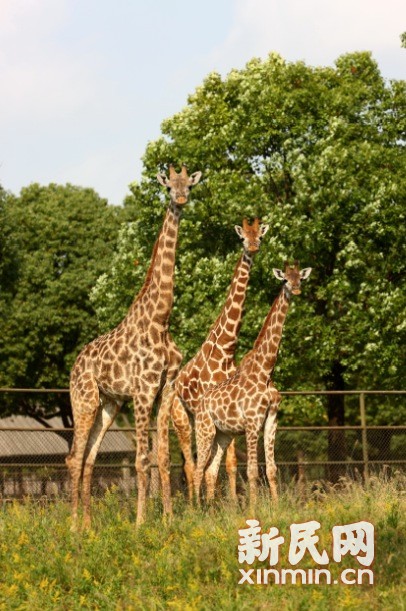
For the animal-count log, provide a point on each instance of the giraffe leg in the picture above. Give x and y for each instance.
(164, 413)
(252, 468)
(231, 468)
(269, 445)
(183, 428)
(143, 402)
(84, 411)
(163, 446)
(205, 433)
(220, 444)
(104, 418)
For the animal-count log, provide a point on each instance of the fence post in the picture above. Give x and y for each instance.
(364, 437)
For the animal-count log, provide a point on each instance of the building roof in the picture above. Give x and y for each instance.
(27, 442)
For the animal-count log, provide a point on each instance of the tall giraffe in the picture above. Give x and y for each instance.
(214, 362)
(136, 360)
(248, 399)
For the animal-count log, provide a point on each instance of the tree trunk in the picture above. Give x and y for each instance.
(337, 447)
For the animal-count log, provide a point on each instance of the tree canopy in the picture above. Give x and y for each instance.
(318, 153)
(58, 241)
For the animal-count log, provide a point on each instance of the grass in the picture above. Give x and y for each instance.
(191, 562)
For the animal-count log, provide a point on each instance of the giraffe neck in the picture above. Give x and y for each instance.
(265, 350)
(225, 330)
(156, 294)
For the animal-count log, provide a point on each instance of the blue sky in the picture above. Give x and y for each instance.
(85, 84)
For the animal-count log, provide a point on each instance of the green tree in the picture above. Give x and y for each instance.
(62, 238)
(318, 153)
(7, 255)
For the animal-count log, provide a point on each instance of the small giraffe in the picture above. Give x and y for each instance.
(248, 400)
(136, 360)
(214, 362)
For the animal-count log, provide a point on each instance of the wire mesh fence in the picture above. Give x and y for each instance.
(32, 457)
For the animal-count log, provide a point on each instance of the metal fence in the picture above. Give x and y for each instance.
(32, 456)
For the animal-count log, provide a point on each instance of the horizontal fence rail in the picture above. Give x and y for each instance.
(32, 456)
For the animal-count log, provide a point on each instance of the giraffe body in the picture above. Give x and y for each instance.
(137, 360)
(248, 401)
(213, 363)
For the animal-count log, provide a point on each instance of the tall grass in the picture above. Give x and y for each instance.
(191, 562)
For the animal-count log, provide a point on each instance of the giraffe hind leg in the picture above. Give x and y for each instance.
(84, 408)
(220, 444)
(184, 430)
(205, 433)
(104, 419)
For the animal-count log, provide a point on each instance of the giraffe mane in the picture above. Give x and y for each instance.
(148, 276)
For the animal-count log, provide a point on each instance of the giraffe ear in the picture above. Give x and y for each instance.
(264, 229)
(163, 180)
(278, 273)
(194, 178)
(238, 231)
(305, 273)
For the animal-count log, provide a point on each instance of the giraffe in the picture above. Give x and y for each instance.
(136, 360)
(214, 362)
(248, 400)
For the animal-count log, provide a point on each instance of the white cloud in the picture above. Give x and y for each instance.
(39, 79)
(113, 165)
(19, 16)
(316, 31)
(57, 115)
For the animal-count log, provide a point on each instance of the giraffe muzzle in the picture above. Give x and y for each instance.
(181, 200)
(296, 291)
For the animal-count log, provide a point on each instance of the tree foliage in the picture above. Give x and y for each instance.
(60, 239)
(318, 153)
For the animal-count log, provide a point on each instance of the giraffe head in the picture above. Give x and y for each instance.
(179, 185)
(251, 235)
(292, 277)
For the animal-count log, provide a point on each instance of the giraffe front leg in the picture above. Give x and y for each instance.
(252, 466)
(205, 433)
(183, 429)
(142, 410)
(164, 412)
(269, 446)
(231, 468)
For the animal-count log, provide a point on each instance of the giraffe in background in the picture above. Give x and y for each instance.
(248, 400)
(213, 364)
(137, 360)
